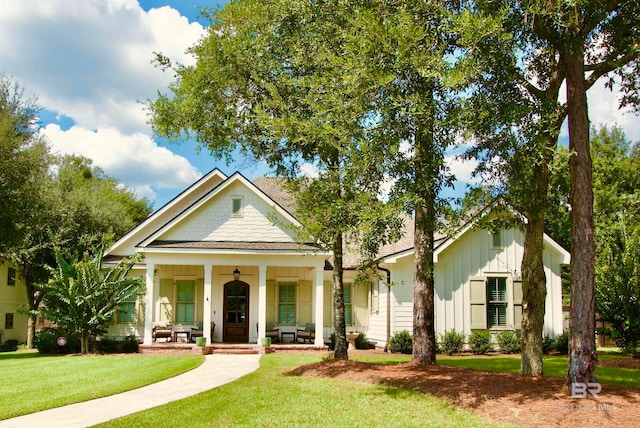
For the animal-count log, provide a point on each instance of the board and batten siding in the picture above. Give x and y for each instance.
(472, 257)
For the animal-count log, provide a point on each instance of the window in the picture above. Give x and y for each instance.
(127, 311)
(11, 276)
(287, 303)
(497, 302)
(496, 239)
(348, 304)
(185, 301)
(236, 209)
(8, 321)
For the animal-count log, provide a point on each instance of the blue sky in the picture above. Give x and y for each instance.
(88, 63)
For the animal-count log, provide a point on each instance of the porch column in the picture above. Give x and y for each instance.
(206, 312)
(149, 299)
(319, 305)
(262, 302)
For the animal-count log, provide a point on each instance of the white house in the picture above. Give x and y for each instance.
(224, 252)
(13, 298)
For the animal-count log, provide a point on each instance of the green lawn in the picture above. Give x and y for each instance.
(31, 382)
(267, 398)
(553, 366)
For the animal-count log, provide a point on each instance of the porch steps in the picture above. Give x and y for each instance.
(223, 348)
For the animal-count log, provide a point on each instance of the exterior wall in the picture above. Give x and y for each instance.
(377, 330)
(12, 298)
(473, 256)
(214, 220)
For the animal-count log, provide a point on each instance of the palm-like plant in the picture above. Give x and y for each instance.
(83, 296)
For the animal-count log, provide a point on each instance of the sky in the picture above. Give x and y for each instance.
(88, 65)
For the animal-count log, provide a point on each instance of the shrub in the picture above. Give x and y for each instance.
(362, 342)
(332, 342)
(452, 342)
(547, 344)
(108, 345)
(46, 341)
(480, 342)
(129, 345)
(401, 342)
(9, 346)
(562, 343)
(509, 341)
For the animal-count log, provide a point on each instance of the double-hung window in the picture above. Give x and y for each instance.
(348, 304)
(127, 311)
(8, 321)
(185, 301)
(287, 303)
(496, 302)
(11, 276)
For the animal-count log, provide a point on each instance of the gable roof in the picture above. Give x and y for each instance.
(148, 234)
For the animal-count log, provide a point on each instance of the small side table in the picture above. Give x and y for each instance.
(291, 333)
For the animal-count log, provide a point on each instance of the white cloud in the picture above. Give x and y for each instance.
(90, 60)
(309, 170)
(133, 159)
(462, 169)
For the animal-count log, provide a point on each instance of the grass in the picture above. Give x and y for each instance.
(269, 398)
(31, 382)
(553, 366)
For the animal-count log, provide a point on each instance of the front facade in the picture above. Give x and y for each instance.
(222, 258)
(13, 299)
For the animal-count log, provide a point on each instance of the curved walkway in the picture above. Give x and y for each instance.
(216, 370)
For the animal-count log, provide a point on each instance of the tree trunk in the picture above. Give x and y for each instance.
(84, 342)
(424, 346)
(340, 351)
(426, 171)
(31, 330)
(583, 359)
(534, 292)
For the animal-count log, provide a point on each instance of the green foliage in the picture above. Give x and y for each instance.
(82, 297)
(480, 341)
(362, 342)
(9, 346)
(561, 343)
(401, 342)
(509, 341)
(452, 342)
(548, 344)
(46, 341)
(110, 345)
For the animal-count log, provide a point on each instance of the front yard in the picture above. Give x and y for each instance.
(372, 389)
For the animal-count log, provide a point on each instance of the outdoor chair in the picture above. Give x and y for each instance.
(308, 334)
(272, 332)
(161, 331)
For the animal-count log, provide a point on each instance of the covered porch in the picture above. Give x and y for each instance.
(241, 292)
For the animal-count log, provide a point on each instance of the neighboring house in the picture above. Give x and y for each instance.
(225, 251)
(13, 297)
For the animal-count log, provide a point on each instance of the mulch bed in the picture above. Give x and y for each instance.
(501, 397)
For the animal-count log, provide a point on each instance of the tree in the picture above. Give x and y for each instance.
(269, 82)
(83, 297)
(558, 42)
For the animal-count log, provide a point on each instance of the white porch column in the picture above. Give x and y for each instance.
(319, 305)
(262, 302)
(149, 300)
(206, 313)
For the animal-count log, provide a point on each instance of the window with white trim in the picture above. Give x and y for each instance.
(287, 303)
(11, 277)
(348, 304)
(496, 302)
(185, 301)
(496, 239)
(8, 321)
(236, 207)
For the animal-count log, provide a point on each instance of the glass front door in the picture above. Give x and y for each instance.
(236, 310)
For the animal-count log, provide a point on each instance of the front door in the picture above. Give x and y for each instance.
(236, 310)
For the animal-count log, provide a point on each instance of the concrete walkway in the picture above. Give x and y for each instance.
(216, 370)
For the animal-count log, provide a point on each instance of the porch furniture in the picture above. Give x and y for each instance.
(272, 332)
(308, 334)
(199, 332)
(181, 329)
(291, 333)
(161, 331)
